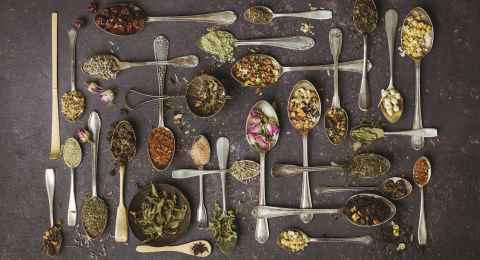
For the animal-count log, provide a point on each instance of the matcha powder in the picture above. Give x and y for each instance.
(218, 43)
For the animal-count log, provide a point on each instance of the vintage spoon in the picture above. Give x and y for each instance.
(422, 226)
(261, 229)
(223, 149)
(391, 21)
(364, 240)
(94, 126)
(110, 65)
(215, 18)
(266, 212)
(364, 25)
(72, 164)
(335, 39)
(422, 132)
(201, 156)
(122, 156)
(51, 249)
(160, 48)
(253, 168)
(418, 142)
(351, 66)
(306, 198)
(380, 188)
(270, 15)
(187, 248)
(298, 43)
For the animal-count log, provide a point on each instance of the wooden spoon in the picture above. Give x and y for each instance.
(187, 248)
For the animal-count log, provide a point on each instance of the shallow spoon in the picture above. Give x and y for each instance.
(72, 164)
(314, 15)
(422, 226)
(187, 248)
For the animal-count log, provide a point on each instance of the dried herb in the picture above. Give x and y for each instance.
(292, 240)
(365, 15)
(366, 210)
(123, 141)
(336, 124)
(417, 35)
(160, 214)
(52, 241)
(245, 171)
(72, 153)
(161, 146)
(205, 95)
(366, 134)
(121, 19)
(369, 165)
(101, 66)
(395, 189)
(304, 108)
(256, 70)
(223, 228)
(199, 248)
(73, 105)
(262, 130)
(218, 43)
(258, 15)
(420, 171)
(94, 215)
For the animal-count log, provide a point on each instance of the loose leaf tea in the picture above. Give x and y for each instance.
(367, 211)
(205, 95)
(223, 229)
(52, 241)
(218, 43)
(121, 19)
(160, 214)
(245, 171)
(123, 141)
(366, 134)
(101, 66)
(336, 124)
(369, 165)
(304, 108)
(161, 146)
(292, 240)
(73, 105)
(420, 171)
(365, 15)
(256, 71)
(94, 215)
(72, 153)
(258, 15)
(395, 189)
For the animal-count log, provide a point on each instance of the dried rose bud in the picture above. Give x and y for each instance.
(94, 88)
(107, 96)
(79, 22)
(93, 7)
(84, 135)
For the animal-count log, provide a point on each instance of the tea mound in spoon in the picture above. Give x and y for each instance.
(417, 34)
(245, 170)
(73, 105)
(367, 210)
(220, 44)
(122, 19)
(336, 124)
(256, 70)
(161, 147)
(258, 15)
(292, 240)
(52, 241)
(104, 67)
(94, 216)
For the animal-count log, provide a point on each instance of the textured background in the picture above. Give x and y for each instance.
(451, 101)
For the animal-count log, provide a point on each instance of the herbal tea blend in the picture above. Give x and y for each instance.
(336, 125)
(245, 170)
(223, 229)
(369, 165)
(200, 151)
(304, 108)
(420, 171)
(218, 43)
(121, 19)
(256, 71)
(73, 105)
(292, 240)
(261, 129)
(52, 241)
(258, 15)
(205, 95)
(367, 211)
(365, 15)
(161, 146)
(123, 141)
(416, 36)
(101, 66)
(94, 215)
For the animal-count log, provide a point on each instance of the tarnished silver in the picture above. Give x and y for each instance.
(189, 173)
(217, 18)
(72, 40)
(94, 126)
(313, 15)
(289, 170)
(202, 216)
(422, 132)
(422, 224)
(72, 205)
(298, 43)
(50, 184)
(223, 149)
(418, 142)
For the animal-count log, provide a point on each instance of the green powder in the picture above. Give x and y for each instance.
(218, 43)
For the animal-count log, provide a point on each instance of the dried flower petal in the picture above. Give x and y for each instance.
(84, 135)
(107, 96)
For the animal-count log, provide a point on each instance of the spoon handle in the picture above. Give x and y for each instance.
(364, 95)
(364, 240)
(223, 148)
(328, 189)
(422, 226)
(160, 48)
(298, 43)
(94, 125)
(265, 212)
(72, 205)
(288, 170)
(391, 22)
(314, 15)
(188, 173)
(348, 66)
(50, 184)
(306, 198)
(423, 132)
(218, 18)
(262, 233)
(121, 226)
(55, 152)
(417, 142)
(335, 39)
(72, 39)
(189, 61)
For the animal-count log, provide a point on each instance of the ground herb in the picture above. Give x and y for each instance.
(367, 211)
(366, 134)
(369, 165)
(256, 70)
(73, 105)
(218, 43)
(199, 248)
(161, 146)
(245, 171)
(121, 19)
(365, 15)
(200, 151)
(223, 228)
(292, 240)
(101, 66)
(72, 153)
(336, 124)
(123, 141)
(420, 171)
(94, 215)
(258, 15)
(160, 214)
(52, 241)
(205, 95)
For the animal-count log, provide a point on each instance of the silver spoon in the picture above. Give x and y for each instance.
(223, 149)
(51, 249)
(314, 15)
(72, 205)
(186, 248)
(364, 240)
(335, 39)
(188, 173)
(422, 226)
(200, 162)
(216, 18)
(298, 43)
(360, 6)
(266, 212)
(261, 229)
(391, 22)
(306, 198)
(351, 66)
(381, 188)
(111, 65)
(422, 132)
(418, 142)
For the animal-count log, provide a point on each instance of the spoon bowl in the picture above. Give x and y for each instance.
(200, 80)
(422, 226)
(391, 206)
(395, 116)
(269, 15)
(201, 157)
(408, 186)
(423, 15)
(420, 185)
(307, 86)
(358, 20)
(72, 164)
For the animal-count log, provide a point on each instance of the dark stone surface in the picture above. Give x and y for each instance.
(451, 101)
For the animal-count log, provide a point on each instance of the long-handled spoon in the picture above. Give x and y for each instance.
(72, 159)
(298, 43)
(350, 66)
(418, 142)
(216, 18)
(305, 240)
(304, 125)
(335, 111)
(422, 225)
(52, 237)
(261, 229)
(238, 170)
(55, 152)
(391, 22)
(200, 154)
(187, 248)
(269, 15)
(223, 149)
(107, 66)
(365, 18)
(380, 133)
